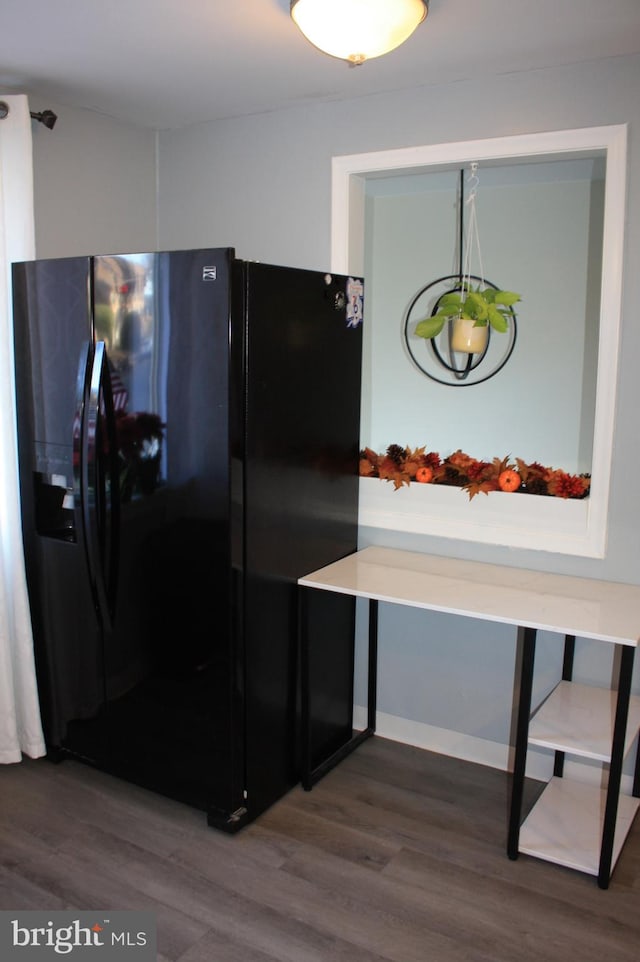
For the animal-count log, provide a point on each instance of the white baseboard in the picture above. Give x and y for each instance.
(478, 750)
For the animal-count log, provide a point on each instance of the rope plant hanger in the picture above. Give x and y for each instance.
(458, 330)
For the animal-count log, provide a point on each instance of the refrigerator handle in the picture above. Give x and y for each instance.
(89, 480)
(110, 486)
(80, 481)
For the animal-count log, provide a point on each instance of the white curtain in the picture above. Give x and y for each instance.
(20, 728)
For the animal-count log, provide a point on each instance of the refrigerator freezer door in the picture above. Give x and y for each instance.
(52, 333)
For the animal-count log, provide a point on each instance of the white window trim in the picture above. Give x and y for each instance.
(531, 522)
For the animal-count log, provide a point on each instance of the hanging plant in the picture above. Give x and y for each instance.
(475, 307)
(482, 306)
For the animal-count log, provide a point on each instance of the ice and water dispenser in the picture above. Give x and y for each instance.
(53, 486)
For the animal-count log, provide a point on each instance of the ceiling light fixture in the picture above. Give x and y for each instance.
(357, 30)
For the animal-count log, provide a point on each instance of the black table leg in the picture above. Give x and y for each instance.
(615, 768)
(567, 675)
(309, 776)
(522, 734)
(305, 713)
(372, 687)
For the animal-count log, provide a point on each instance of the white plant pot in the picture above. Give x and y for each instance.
(467, 337)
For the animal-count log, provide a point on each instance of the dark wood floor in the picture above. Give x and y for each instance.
(397, 855)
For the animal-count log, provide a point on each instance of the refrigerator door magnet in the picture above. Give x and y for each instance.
(355, 294)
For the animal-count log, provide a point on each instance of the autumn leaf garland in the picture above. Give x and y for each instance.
(403, 465)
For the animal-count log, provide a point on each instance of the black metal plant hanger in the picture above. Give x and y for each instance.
(460, 374)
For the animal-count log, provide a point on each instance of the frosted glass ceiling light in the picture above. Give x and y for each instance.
(357, 30)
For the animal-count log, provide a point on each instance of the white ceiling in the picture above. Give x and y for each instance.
(169, 63)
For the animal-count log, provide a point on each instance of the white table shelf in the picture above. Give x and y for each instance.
(602, 610)
(589, 722)
(578, 719)
(565, 826)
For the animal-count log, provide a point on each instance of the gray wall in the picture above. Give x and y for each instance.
(94, 184)
(534, 236)
(263, 184)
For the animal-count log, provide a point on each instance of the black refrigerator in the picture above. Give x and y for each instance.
(188, 428)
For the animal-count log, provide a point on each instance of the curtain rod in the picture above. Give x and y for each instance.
(46, 117)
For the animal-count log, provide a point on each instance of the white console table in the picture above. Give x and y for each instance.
(573, 823)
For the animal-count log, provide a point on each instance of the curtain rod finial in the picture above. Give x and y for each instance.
(46, 117)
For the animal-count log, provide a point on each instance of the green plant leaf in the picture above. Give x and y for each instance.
(431, 326)
(475, 306)
(507, 298)
(497, 320)
(450, 303)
